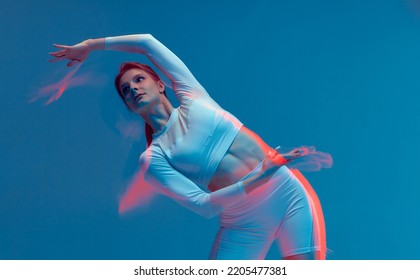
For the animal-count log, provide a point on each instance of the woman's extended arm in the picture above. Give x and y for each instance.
(157, 172)
(183, 82)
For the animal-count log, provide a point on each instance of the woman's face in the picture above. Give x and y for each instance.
(140, 91)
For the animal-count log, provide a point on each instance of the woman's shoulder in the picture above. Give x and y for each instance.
(151, 152)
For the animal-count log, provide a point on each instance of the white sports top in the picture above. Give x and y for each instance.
(184, 155)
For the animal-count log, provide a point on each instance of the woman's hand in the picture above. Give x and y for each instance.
(76, 53)
(274, 160)
(296, 153)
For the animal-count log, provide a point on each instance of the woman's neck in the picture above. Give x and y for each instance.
(159, 115)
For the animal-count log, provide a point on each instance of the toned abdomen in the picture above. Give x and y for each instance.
(245, 153)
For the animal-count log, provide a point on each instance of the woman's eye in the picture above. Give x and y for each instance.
(139, 79)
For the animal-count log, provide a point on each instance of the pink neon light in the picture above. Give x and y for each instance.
(54, 91)
(316, 209)
(138, 192)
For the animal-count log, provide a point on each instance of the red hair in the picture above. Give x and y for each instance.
(148, 130)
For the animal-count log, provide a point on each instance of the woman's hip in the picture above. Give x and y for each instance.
(266, 206)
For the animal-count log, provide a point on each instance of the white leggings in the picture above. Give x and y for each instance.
(282, 210)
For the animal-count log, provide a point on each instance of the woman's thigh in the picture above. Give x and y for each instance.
(239, 244)
(301, 234)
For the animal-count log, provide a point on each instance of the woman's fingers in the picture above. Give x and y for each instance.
(61, 46)
(297, 152)
(293, 154)
(58, 53)
(56, 59)
(73, 62)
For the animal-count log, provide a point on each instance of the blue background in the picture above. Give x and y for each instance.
(340, 75)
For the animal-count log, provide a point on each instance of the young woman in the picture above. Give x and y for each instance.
(208, 161)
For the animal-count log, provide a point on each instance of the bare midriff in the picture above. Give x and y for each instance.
(245, 153)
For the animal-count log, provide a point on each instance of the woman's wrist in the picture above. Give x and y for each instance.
(95, 44)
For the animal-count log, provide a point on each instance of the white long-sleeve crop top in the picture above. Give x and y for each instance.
(185, 154)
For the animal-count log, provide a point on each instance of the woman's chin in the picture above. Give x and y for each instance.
(139, 108)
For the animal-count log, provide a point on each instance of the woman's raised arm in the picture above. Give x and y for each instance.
(184, 83)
